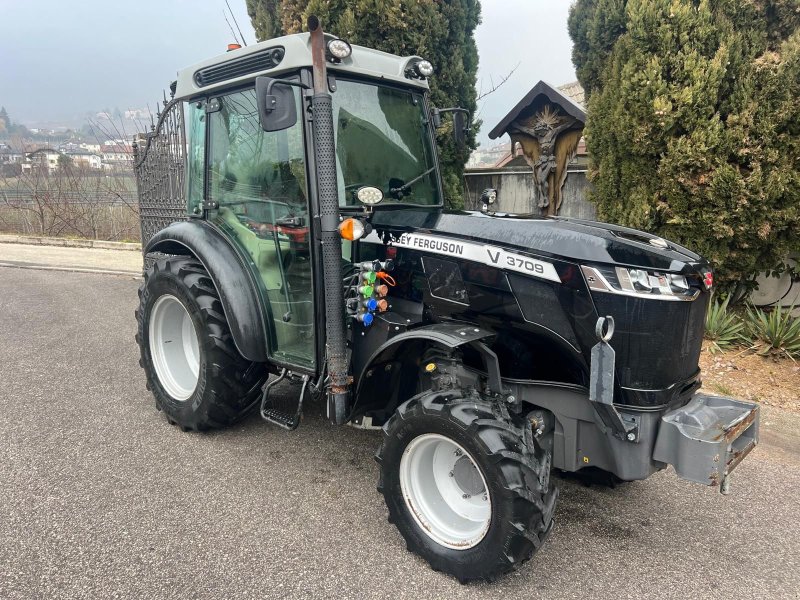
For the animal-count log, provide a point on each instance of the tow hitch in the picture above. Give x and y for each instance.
(706, 439)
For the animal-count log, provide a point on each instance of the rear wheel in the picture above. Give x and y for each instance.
(192, 366)
(466, 486)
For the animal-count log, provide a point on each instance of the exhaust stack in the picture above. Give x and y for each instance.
(325, 158)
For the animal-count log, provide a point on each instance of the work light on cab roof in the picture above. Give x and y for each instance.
(419, 69)
(339, 49)
(424, 68)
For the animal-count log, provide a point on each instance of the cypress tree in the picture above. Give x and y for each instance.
(441, 31)
(693, 123)
(266, 18)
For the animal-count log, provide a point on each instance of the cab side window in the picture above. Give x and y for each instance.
(195, 115)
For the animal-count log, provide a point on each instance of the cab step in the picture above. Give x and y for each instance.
(282, 411)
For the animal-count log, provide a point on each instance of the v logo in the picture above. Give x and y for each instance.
(494, 257)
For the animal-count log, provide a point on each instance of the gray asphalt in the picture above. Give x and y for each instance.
(101, 498)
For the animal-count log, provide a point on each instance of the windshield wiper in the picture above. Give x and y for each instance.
(398, 191)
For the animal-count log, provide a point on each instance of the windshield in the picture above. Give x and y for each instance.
(382, 140)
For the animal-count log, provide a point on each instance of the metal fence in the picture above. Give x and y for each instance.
(159, 167)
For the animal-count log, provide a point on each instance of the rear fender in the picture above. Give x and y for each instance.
(234, 282)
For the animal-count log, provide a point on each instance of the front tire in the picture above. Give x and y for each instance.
(192, 366)
(465, 485)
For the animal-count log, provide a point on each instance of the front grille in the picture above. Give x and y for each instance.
(657, 343)
(252, 63)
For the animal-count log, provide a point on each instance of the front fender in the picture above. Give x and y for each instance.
(234, 282)
(449, 335)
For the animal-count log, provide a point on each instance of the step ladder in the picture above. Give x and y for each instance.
(281, 411)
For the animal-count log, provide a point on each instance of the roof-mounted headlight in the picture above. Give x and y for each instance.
(423, 68)
(339, 49)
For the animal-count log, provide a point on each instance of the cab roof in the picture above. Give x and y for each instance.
(285, 54)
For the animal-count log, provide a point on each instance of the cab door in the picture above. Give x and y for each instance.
(258, 184)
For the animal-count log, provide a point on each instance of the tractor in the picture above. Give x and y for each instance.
(294, 231)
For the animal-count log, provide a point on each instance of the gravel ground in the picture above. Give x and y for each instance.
(100, 498)
(767, 380)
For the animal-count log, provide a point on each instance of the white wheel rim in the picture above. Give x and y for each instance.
(174, 347)
(445, 491)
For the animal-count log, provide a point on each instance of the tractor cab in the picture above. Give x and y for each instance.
(255, 181)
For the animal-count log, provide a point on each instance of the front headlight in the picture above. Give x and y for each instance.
(639, 282)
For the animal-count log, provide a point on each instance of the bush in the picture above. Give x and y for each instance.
(774, 333)
(724, 329)
(693, 126)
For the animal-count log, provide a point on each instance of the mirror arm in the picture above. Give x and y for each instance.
(272, 115)
(439, 112)
(270, 101)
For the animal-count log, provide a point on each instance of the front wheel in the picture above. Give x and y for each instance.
(193, 368)
(468, 489)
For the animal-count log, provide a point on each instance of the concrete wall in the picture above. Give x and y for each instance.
(516, 191)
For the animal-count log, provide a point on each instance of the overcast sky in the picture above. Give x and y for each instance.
(60, 59)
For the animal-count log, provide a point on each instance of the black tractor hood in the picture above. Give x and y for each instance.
(558, 237)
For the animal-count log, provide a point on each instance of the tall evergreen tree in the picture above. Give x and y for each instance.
(442, 31)
(594, 26)
(694, 123)
(266, 18)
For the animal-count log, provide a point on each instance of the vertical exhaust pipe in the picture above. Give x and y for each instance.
(325, 159)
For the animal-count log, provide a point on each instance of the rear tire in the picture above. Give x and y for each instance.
(192, 366)
(456, 535)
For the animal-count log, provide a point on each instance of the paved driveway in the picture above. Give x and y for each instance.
(100, 498)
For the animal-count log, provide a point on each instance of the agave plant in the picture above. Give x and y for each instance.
(775, 332)
(724, 329)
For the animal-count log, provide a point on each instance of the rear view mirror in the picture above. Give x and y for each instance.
(276, 104)
(460, 128)
(460, 122)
